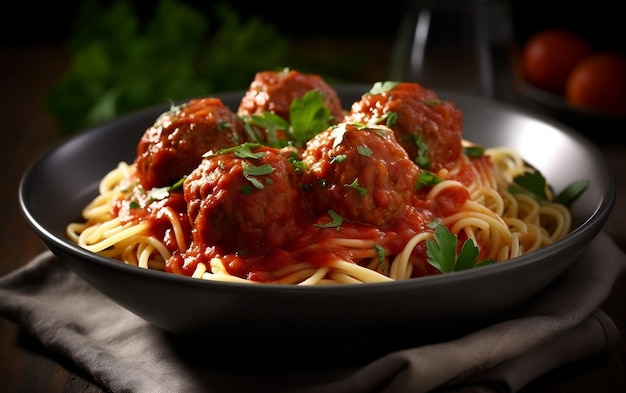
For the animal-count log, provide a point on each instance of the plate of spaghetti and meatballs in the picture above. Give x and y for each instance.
(297, 203)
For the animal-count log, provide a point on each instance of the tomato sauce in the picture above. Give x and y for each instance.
(313, 244)
(250, 206)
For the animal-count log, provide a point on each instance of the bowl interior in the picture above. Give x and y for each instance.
(57, 185)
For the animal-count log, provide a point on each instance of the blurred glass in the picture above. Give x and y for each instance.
(456, 45)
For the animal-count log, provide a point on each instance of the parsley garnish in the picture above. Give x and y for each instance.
(421, 158)
(355, 184)
(242, 151)
(335, 221)
(364, 151)
(250, 171)
(271, 122)
(534, 184)
(298, 165)
(380, 252)
(245, 151)
(572, 192)
(474, 151)
(338, 158)
(442, 252)
(223, 125)
(426, 179)
(530, 183)
(308, 116)
(391, 118)
(251, 132)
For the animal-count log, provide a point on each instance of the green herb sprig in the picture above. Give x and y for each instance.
(442, 252)
(335, 221)
(308, 116)
(534, 184)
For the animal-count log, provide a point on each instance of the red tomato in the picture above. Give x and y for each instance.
(550, 55)
(598, 83)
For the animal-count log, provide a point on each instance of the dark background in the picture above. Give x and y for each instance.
(601, 21)
(364, 36)
(51, 22)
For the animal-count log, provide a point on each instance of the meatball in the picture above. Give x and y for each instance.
(426, 126)
(362, 173)
(274, 91)
(245, 200)
(174, 145)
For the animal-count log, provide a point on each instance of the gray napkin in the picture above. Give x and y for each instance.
(123, 353)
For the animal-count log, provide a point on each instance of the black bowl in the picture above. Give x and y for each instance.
(57, 185)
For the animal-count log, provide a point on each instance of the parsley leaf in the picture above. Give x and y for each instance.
(355, 184)
(473, 151)
(426, 179)
(391, 118)
(245, 151)
(271, 122)
(421, 158)
(572, 192)
(242, 151)
(335, 222)
(250, 171)
(364, 151)
(380, 252)
(308, 117)
(442, 252)
(534, 184)
(531, 183)
(338, 159)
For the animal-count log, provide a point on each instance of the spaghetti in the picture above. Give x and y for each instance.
(350, 206)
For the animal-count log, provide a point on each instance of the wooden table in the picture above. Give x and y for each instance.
(27, 130)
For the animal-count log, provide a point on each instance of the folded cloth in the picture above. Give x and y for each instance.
(124, 353)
